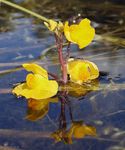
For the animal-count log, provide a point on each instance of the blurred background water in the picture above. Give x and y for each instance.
(24, 38)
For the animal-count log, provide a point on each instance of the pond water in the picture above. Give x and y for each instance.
(25, 39)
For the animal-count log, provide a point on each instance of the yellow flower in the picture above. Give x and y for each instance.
(82, 71)
(54, 26)
(37, 85)
(81, 34)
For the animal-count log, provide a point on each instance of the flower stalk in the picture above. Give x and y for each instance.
(63, 63)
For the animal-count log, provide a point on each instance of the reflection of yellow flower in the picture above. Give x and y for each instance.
(81, 34)
(58, 135)
(77, 90)
(77, 130)
(39, 109)
(37, 85)
(82, 71)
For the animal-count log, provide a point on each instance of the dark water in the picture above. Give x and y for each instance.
(24, 38)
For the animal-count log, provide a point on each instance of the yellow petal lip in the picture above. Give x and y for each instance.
(81, 34)
(36, 69)
(81, 71)
(37, 85)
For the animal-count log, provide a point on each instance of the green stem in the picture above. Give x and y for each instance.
(25, 10)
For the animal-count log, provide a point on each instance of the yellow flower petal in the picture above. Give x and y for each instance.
(36, 69)
(94, 71)
(82, 71)
(78, 71)
(60, 26)
(54, 26)
(66, 31)
(36, 87)
(34, 80)
(84, 23)
(82, 34)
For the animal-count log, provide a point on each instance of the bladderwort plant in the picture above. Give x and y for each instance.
(38, 85)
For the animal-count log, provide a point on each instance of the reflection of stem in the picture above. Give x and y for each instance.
(62, 122)
(25, 10)
(64, 101)
(70, 110)
(59, 43)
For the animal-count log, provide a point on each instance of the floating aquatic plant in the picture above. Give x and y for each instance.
(38, 89)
